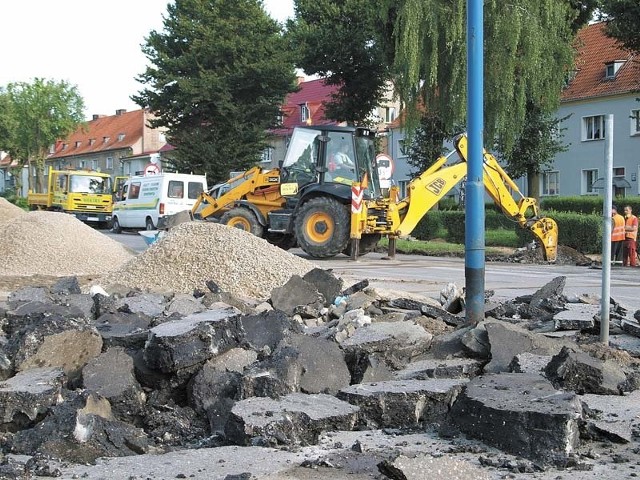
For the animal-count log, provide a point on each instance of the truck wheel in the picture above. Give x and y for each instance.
(149, 224)
(367, 244)
(322, 227)
(244, 219)
(116, 226)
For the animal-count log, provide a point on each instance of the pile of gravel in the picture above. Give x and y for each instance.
(58, 244)
(8, 211)
(195, 252)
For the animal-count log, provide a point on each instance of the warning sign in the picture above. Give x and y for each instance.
(385, 166)
(151, 169)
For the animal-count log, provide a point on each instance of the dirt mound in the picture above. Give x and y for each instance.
(566, 256)
(49, 243)
(195, 252)
(8, 211)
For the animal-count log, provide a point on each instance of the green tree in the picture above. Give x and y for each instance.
(220, 72)
(425, 145)
(35, 115)
(535, 147)
(623, 22)
(344, 41)
(528, 50)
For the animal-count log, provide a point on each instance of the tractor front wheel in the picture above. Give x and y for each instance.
(244, 219)
(322, 227)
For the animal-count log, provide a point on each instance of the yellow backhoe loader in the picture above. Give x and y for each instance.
(326, 196)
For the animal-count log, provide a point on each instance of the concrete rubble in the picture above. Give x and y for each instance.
(338, 380)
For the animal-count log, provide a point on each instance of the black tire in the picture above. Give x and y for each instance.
(244, 219)
(149, 224)
(322, 227)
(368, 244)
(115, 225)
(281, 240)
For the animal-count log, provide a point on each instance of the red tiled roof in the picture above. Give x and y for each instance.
(314, 94)
(8, 162)
(105, 133)
(595, 50)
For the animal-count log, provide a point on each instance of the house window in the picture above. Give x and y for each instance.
(551, 183)
(109, 163)
(635, 122)
(402, 147)
(279, 118)
(304, 113)
(92, 141)
(389, 114)
(64, 146)
(267, 155)
(78, 143)
(81, 164)
(105, 139)
(588, 179)
(593, 128)
(120, 137)
(94, 164)
(611, 69)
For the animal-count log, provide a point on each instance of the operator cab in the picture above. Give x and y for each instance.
(335, 155)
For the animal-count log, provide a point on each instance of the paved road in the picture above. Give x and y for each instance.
(428, 275)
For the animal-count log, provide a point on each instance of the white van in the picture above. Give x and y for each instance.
(145, 199)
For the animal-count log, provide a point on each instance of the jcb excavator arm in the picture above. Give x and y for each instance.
(497, 184)
(254, 185)
(397, 218)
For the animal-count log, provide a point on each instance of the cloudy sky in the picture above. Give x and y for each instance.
(92, 44)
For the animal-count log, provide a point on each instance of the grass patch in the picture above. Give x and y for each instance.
(501, 237)
(433, 248)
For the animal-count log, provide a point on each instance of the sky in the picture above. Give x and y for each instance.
(92, 44)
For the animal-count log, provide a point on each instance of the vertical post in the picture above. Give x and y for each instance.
(474, 206)
(392, 247)
(606, 230)
(357, 198)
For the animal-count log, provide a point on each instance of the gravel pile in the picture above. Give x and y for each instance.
(50, 243)
(8, 211)
(195, 252)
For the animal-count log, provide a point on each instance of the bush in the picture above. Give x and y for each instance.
(576, 230)
(430, 226)
(587, 204)
(10, 196)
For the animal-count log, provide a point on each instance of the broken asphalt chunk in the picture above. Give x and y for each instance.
(521, 414)
(295, 419)
(402, 403)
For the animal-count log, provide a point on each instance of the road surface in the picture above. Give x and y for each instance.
(429, 275)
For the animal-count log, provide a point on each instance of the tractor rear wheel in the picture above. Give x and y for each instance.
(244, 219)
(322, 227)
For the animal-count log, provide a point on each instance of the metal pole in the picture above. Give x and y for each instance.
(474, 206)
(606, 230)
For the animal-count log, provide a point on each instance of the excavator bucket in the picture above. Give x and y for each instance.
(546, 232)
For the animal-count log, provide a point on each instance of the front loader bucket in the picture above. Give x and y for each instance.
(546, 232)
(169, 221)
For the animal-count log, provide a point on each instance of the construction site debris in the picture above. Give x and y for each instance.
(177, 371)
(58, 244)
(547, 419)
(196, 252)
(566, 256)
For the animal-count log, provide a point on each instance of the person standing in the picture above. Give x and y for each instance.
(629, 254)
(617, 235)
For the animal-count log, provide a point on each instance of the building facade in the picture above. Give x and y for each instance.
(606, 81)
(122, 144)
